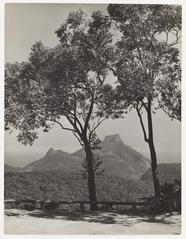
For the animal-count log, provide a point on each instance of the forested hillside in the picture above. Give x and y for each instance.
(61, 185)
(66, 185)
(167, 173)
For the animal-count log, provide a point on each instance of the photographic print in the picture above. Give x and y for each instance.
(92, 118)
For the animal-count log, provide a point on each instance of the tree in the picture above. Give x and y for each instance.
(147, 64)
(67, 81)
(170, 95)
(96, 160)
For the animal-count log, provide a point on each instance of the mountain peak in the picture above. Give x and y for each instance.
(50, 151)
(115, 138)
(118, 159)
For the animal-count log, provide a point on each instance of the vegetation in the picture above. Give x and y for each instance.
(170, 199)
(147, 65)
(68, 84)
(71, 185)
(67, 81)
(62, 185)
(167, 173)
(171, 196)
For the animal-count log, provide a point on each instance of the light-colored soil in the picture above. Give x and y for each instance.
(38, 222)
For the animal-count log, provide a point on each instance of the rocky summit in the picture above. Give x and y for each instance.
(117, 157)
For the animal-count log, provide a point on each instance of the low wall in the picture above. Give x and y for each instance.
(82, 205)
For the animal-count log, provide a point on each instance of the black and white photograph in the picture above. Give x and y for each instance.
(92, 118)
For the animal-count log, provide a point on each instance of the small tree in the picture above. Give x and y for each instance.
(67, 81)
(147, 64)
(96, 160)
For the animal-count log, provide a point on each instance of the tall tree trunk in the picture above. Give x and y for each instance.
(91, 179)
(153, 154)
(154, 171)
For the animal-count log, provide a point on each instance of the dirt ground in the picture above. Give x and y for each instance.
(39, 222)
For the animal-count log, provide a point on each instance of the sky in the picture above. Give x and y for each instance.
(27, 23)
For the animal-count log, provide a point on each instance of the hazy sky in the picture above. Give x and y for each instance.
(27, 23)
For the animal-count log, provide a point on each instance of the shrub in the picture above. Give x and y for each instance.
(49, 206)
(26, 206)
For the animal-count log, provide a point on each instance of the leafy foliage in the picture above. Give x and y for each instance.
(170, 198)
(97, 166)
(147, 64)
(62, 185)
(167, 173)
(65, 81)
(97, 162)
(171, 96)
(70, 80)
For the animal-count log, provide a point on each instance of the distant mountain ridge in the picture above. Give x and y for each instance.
(54, 160)
(58, 176)
(167, 173)
(118, 159)
(8, 168)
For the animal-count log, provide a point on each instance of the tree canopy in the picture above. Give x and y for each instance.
(68, 81)
(147, 61)
(147, 64)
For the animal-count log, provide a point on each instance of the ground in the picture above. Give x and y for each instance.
(63, 222)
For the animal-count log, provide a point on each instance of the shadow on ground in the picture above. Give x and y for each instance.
(101, 217)
(12, 214)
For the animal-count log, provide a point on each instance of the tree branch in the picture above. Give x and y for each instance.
(110, 68)
(89, 113)
(60, 124)
(72, 123)
(141, 122)
(143, 104)
(101, 81)
(75, 107)
(167, 37)
(77, 121)
(98, 124)
(141, 59)
(79, 140)
(172, 116)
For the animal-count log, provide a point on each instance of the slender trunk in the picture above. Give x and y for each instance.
(154, 171)
(153, 155)
(91, 179)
